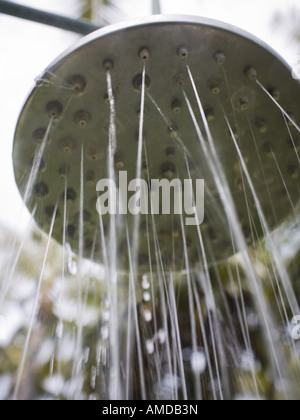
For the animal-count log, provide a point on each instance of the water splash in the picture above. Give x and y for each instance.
(187, 330)
(112, 275)
(238, 237)
(33, 313)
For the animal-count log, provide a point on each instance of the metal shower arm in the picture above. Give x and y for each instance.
(79, 26)
(156, 7)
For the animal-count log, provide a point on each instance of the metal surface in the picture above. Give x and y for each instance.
(79, 26)
(222, 60)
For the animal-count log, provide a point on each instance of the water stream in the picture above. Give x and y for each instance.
(151, 331)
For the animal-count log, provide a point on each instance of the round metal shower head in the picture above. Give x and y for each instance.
(69, 104)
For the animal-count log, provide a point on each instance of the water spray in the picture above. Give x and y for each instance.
(227, 65)
(147, 108)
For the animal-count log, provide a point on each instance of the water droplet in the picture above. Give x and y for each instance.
(198, 362)
(104, 332)
(161, 336)
(86, 355)
(93, 377)
(2, 328)
(247, 397)
(145, 284)
(171, 381)
(248, 361)
(71, 262)
(252, 321)
(150, 346)
(72, 267)
(147, 315)
(105, 315)
(59, 329)
(147, 297)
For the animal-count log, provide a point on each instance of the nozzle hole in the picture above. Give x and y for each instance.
(71, 194)
(138, 82)
(41, 190)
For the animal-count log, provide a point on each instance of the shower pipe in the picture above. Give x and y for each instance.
(79, 26)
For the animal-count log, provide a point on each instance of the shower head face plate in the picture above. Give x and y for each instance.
(72, 96)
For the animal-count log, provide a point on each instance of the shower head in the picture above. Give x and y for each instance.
(70, 106)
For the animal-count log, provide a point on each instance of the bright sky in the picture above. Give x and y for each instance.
(27, 48)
